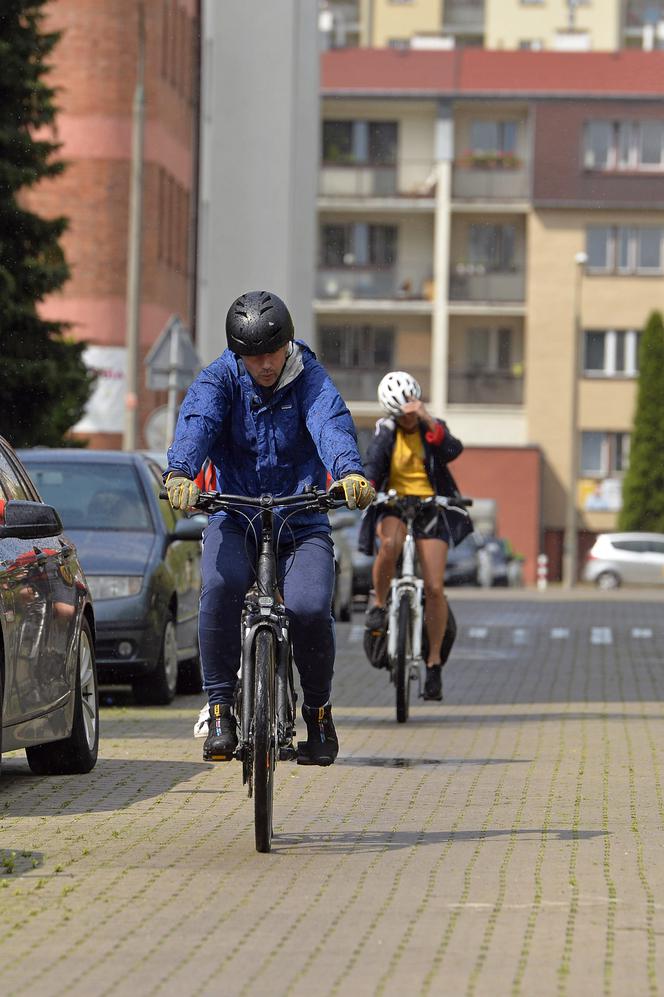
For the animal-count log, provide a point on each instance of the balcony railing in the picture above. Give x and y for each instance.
(357, 385)
(463, 14)
(491, 184)
(346, 283)
(484, 387)
(407, 178)
(473, 283)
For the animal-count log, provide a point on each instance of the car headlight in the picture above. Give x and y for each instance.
(114, 586)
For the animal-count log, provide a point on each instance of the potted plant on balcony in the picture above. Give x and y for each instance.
(494, 159)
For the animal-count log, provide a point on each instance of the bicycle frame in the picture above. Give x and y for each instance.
(410, 584)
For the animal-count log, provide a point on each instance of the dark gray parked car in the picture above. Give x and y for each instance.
(48, 682)
(141, 560)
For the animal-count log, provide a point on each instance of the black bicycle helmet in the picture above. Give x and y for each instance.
(258, 322)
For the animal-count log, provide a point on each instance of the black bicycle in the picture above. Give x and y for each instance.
(265, 693)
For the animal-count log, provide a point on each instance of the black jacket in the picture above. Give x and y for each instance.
(436, 459)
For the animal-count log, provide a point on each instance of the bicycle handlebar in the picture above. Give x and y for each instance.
(443, 501)
(313, 500)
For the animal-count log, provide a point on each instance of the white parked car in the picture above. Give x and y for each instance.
(625, 558)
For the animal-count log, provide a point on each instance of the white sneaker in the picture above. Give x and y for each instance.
(201, 725)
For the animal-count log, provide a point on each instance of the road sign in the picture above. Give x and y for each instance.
(172, 362)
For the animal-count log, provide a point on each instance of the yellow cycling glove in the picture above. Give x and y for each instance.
(182, 492)
(358, 492)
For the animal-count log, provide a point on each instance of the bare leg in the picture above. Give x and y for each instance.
(433, 557)
(391, 533)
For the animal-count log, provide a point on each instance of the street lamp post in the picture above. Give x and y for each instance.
(570, 544)
(135, 243)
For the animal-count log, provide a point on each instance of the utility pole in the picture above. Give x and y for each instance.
(570, 543)
(135, 242)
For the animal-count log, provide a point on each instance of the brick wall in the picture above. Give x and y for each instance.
(511, 476)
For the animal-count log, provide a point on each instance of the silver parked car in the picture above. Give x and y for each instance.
(625, 558)
(48, 681)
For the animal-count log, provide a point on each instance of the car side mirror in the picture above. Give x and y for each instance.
(29, 520)
(189, 529)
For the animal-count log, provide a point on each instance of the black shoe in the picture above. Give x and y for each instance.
(376, 618)
(221, 742)
(433, 687)
(322, 744)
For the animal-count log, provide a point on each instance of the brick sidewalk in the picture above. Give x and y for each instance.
(506, 842)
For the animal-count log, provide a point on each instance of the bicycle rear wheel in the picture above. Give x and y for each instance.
(264, 740)
(404, 644)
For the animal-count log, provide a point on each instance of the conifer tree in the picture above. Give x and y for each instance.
(43, 381)
(643, 486)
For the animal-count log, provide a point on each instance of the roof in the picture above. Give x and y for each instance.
(473, 72)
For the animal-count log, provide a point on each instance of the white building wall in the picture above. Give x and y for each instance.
(259, 160)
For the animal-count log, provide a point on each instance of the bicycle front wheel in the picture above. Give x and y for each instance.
(264, 740)
(402, 677)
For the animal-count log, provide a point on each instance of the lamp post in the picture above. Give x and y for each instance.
(570, 543)
(135, 243)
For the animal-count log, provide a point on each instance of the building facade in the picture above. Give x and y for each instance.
(563, 25)
(494, 223)
(95, 66)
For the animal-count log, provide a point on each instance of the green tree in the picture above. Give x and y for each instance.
(643, 487)
(43, 381)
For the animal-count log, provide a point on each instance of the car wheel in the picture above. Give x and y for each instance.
(608, 580)
(190, 677)
(78, 752)
(159, 687)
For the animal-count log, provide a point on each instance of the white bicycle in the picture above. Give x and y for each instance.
(407, 643)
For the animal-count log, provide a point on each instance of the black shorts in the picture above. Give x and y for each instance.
(430, 523)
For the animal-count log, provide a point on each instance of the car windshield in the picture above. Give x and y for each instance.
(93, 496)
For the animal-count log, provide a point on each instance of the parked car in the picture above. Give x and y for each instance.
(463, 563)
(49, 703)
(625, 558)
(362, 563)
(497, 564)
(142, 562)
(342, 604)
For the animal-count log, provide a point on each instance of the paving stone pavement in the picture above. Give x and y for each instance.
(508, 841)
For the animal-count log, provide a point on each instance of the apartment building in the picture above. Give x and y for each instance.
(563, 25)
(95, 67)
(494, 223)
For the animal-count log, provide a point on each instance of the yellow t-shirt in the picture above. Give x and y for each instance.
(408, 475)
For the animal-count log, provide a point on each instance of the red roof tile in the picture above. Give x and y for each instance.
(472, 71)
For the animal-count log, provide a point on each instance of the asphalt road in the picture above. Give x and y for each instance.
(508, 841)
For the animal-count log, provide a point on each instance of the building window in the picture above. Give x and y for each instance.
(398, 43)
(371, 143)
(354, 346)
(493, 136)
(492, 349)
(623, 145)
(624, 249)
(611, 353)
(359, 245)
(492, 247)
(604, 455)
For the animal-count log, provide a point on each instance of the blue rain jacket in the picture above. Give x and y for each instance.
(276, 446)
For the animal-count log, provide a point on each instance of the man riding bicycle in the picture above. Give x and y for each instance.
(409, 453)
(272, 422)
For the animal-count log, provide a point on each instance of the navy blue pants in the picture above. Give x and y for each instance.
(306, 581)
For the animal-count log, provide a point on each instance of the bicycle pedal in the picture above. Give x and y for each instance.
(287, 752)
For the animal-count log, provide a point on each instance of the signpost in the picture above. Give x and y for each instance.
(171, 365)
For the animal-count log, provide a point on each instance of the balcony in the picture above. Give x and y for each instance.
(484, 387)
(473, 282)
(357, 385)
(501, 184)
(345, 283)
(413, 179)
(463, 15)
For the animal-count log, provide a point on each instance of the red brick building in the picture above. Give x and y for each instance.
(95, 71)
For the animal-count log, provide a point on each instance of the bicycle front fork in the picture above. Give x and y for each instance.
(413, 589)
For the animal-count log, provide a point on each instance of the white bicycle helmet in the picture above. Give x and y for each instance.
(396, 389)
